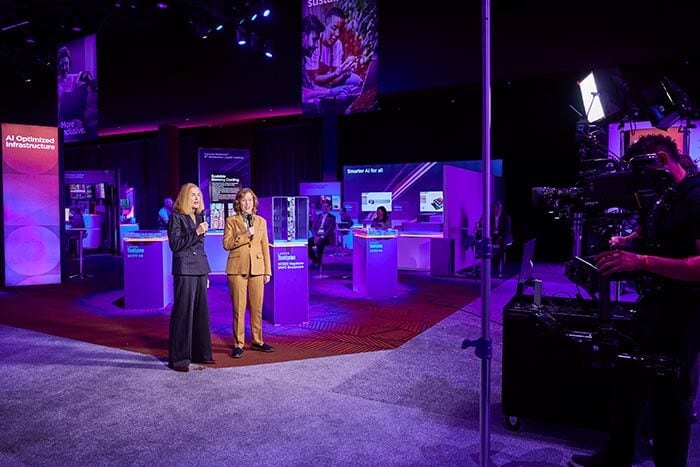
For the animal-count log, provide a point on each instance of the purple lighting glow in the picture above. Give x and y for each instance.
(161, 5)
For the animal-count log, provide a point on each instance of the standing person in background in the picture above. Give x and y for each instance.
(323, 232)
(165, 212)
(248, 269)
(190, 334)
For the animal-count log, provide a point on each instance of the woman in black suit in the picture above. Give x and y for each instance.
(190, 335)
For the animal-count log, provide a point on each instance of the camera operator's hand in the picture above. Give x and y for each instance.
(617, 242)
(610, 262)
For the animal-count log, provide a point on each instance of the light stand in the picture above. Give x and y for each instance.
(483, 344)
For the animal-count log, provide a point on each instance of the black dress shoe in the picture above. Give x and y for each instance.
(181, 368)
(237, 352)
(262, 347)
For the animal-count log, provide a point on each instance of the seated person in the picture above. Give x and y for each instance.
(381, 219)
(323, 233)
(345, 220)
(165, 212)
(501, 237)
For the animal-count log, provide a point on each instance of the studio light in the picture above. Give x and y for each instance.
(266, 12)
(219, 27)
(267, 49)
(603, 93)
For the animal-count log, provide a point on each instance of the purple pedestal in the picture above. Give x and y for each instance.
(374, 265)
(287, 293)
(148, 282)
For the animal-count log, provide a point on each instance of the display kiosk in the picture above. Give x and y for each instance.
(287, 294)
(148, 280)
(375, 263)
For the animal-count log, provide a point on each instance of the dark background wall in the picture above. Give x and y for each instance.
(153, 70)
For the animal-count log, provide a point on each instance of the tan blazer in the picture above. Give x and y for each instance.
(247, 256)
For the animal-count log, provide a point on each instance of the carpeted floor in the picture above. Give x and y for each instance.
(340, 322)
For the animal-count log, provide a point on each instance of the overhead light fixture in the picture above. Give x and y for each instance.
(266, 12)
(219, 27)
(267, 49)
(161, 5)
(241, 36)
(254, 16)
(14, 26)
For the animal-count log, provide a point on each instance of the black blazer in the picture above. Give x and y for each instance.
(189, 257)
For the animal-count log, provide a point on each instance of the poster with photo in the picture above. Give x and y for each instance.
(339, 56)
(76, 76)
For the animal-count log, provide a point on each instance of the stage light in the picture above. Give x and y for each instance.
(241, 36)
(266, 12)
(30, 40)
(76, 29)
(267, 49)
(254, 16)
(219, 27)
(161, 5)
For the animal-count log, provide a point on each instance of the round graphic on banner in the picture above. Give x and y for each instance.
(32, 250)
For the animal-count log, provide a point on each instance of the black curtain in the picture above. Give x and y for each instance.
(283, 156)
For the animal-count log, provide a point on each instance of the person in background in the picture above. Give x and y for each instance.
(248, 269)
(165, 212)
(323, 232)
(190, 334)
(381, 219)
(501, 236)
(345, 220)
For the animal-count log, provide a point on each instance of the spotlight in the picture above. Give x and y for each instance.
(241, 36)
(267, 49)
(266, 12)
(254, 16)
(30, 40)
(161, 5)
(219, 27)
(76, 29)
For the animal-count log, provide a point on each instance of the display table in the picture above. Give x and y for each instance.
(123, 229)
(287, 294)
(214, 246)
(414, 250)
(148, 282)
(374, 263)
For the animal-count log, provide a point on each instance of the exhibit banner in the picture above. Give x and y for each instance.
(222, 174)
(76, 66)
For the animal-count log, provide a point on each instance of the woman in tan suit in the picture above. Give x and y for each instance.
(248, 268)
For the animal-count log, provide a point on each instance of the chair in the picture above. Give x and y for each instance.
(80, 236)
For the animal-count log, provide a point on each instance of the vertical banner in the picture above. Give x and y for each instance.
(76, 65)
(339, 56)
(222, 174)
(30, 205)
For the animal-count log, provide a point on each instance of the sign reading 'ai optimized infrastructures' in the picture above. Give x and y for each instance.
(30, 205)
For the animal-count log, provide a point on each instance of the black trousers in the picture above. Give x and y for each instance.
(318, 256)
(644, 397)
(190, 335)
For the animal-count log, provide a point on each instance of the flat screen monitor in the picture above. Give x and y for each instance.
(373, 199)
(527, 265)
(431, 201)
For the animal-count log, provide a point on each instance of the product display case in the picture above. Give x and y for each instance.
(287, 293)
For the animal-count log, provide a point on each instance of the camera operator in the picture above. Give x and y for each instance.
(668, 313)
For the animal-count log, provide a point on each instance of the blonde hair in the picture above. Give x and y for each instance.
(182, 202)
(239, 197)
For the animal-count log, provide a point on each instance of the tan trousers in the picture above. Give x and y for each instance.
(240, 288)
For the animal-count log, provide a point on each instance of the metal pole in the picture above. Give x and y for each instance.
(485, 402)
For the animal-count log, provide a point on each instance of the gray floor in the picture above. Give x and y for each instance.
(64, 402)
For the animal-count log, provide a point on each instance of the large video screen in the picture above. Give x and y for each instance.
(339, 44)
(431, 201)
(399, 187)
(372, 200)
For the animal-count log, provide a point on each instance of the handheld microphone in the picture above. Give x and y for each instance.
(249, 221)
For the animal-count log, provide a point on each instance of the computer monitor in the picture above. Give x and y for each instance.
(431, 201)
(371, 200)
